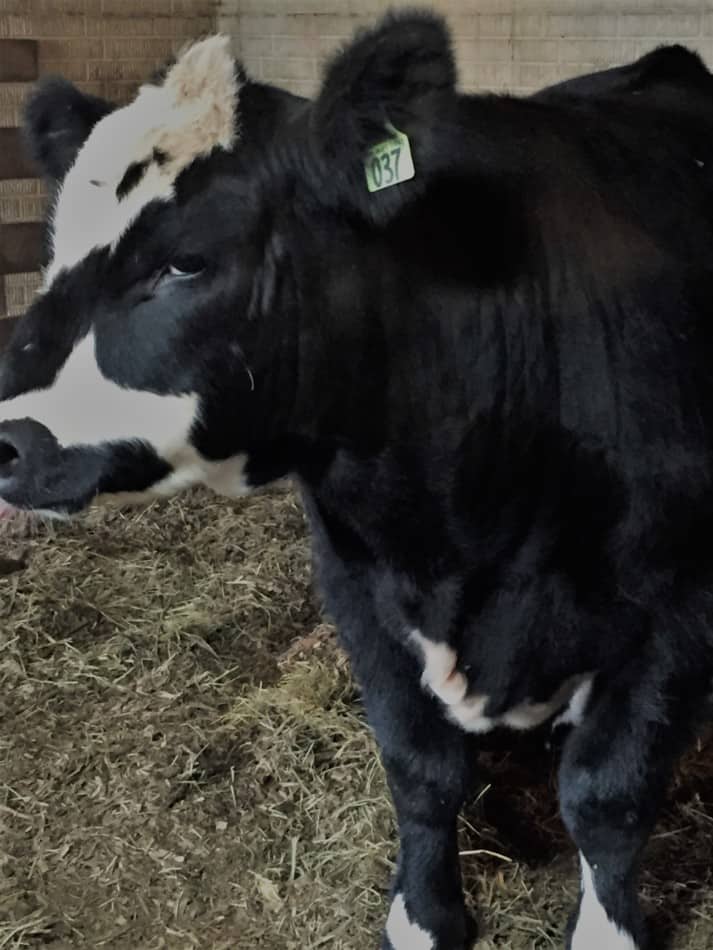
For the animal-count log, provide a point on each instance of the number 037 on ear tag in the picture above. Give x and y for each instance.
(390, 162)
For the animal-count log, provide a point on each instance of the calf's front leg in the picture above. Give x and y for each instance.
(613, 777)
(430, 766)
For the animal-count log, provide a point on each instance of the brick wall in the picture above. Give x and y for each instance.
(515, 45)
(107, 47)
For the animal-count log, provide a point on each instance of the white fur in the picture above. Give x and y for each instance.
(574, 714)
(187, 116)
(83, 407)
(450, 686)
(439, 672)
(594, 930)
(403, 934)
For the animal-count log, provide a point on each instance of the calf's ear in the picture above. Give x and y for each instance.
(58, 118)
(401, 76)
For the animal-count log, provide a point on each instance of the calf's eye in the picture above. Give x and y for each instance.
(185, 267)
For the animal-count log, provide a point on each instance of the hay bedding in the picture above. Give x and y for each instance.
(185, 762)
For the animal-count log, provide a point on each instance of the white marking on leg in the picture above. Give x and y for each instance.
(595, 930)
(573, 715)
(403, 934)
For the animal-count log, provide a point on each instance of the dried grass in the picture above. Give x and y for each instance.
(185, 762)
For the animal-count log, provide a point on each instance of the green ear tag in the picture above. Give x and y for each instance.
(390, 162)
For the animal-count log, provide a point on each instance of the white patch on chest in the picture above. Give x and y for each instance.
(403, 934)
(468, 711)
(594, 930)
(190, 114)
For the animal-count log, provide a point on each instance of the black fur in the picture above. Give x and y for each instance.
(131, 178)
(493, 385)
(57, 120)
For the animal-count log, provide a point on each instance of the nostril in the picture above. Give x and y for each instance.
(8, 453)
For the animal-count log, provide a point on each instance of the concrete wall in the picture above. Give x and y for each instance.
(107, 47)
(516, 45)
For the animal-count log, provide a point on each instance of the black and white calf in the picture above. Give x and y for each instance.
(484, 349)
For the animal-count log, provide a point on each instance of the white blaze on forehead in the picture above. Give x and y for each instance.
(83, 407)
(190, 114)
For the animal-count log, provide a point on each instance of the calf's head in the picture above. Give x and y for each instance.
(163, 347)
(112, 379)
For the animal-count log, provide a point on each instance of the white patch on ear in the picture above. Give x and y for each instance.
(594, 930)
(403, 934)
(190, 114)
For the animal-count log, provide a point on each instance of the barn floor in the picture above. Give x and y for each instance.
(185, 762)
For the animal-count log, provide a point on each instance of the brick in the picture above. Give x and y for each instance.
(138, 49)
(64, 6)
(292, 68)
(294, 46)
(74, 70)
(128, 7)
(198, 8)
(22, 209)
(303, 87)
(22, 188)
(257, 46)
(20, 290)
(186, 27)
(592, 52)
(93, 88)
(333, 25)
(12, 96)
(582, 24)
(252, 25)
(665, 25)
(486, 76)
(137, 70)
(535, 51)
(494, 24)
(534, 75)
(120, 92)
(528, 24)
(486, 51)
(465, 27)
(40, 26)
(119, 26)
(60, 50)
